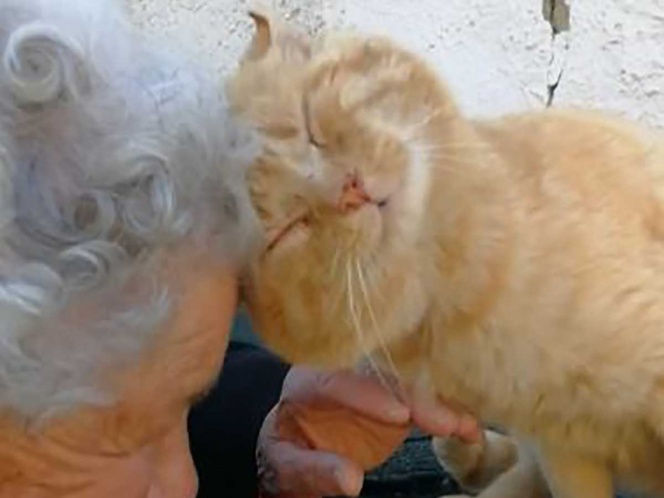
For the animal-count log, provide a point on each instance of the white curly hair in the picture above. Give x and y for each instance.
(111, 150)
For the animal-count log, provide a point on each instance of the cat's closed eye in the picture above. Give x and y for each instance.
(280, 131)
(312, 135)
(295, 225)
(314, 141)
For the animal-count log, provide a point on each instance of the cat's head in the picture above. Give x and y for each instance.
(341, 188)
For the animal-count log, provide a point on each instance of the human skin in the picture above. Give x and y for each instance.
(328, 428)
(138, 447)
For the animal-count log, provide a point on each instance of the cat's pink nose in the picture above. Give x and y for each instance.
(353, 194)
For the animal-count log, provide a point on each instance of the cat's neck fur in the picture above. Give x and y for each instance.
(470, 222)
(467, 236)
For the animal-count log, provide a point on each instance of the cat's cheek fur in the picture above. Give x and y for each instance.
(294, 240)
(286, 296)
(323, 312)
(365, 230)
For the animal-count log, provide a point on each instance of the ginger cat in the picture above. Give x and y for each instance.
(515, 265)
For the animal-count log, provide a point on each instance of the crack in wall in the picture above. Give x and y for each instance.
(552, 86)
(558, 14)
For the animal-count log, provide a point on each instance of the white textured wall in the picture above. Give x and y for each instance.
(499, 55)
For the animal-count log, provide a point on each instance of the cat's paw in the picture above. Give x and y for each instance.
(462, 460)
(475, 466)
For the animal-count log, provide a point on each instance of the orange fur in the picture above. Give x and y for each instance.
(517, 264)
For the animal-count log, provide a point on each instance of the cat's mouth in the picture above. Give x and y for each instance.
(278, 234)
(281, 232)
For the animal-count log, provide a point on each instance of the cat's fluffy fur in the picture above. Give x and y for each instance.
(516, 265)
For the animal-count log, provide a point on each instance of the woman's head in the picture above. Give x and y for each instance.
(122, 219)
(341, 188)
(111, 153)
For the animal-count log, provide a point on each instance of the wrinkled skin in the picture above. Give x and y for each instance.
(328, 428)
(138, 447)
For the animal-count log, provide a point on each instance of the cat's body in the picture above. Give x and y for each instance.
(516, 265)
(564, 343)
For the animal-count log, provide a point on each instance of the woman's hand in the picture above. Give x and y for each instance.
(329, 428)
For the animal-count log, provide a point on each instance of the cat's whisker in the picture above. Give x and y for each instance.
(353, 310)
(460, 154)
(428, 118)
(451, 160)
(381, 341)
(334, 276)
(357, 325)
(466, 145)
(335, 262)
(454, 148)
(448, 164)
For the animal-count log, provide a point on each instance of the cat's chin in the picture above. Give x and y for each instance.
(337, 357)
(367, 224)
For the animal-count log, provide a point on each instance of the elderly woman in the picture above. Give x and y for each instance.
(123, 224)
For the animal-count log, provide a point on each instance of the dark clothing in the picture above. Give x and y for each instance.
(224, 427)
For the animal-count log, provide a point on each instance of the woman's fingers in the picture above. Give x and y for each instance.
(442, 419)
(289, 471)
(354, 391)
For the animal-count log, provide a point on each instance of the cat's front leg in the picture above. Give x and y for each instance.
(475, 466)
(574, 476)
(522, 480)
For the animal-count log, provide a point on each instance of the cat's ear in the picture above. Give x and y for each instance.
(270, 31)
(263, 35)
